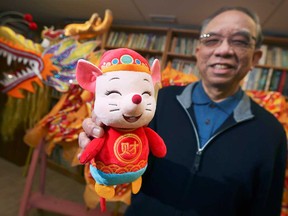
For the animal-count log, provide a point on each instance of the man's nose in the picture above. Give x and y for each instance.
(224, 48)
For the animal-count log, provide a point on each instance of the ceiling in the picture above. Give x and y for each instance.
(187, 13)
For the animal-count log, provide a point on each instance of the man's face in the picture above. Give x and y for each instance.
(227, 50)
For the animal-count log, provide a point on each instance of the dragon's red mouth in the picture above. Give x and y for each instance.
(18, 66)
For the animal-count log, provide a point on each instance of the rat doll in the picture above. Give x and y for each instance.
(123, 84)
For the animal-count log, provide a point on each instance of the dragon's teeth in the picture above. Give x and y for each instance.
(23, 72)
(4, 53)
(9, 59)
(29, 70)
(18, 74)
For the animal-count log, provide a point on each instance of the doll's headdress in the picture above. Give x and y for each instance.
(123, 59)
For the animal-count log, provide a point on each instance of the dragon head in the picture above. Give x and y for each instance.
(22, 63)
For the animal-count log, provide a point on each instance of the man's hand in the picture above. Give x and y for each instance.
(92, 128)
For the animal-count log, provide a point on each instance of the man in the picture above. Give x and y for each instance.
(226, 155)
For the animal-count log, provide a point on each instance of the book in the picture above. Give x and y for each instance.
(245, 82)
(277, 56)
(264, 49)
(173, 44)
(285, 58)
(275, 79)
(182, 45)
(268, 80)
(263, 78)
(258, 73)
(282, 81)
(285, 87)
(110, 38)
(269, 56)
(190, 47)
(251, 80)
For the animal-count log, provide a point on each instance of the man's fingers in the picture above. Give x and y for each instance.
(83, 140)
(96, 120)
(91, 128)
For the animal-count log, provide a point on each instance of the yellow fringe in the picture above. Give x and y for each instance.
(24, 113)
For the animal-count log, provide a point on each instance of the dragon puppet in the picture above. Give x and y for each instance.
(63, 122)
(28, 67)
(25, 63)
(23, 69)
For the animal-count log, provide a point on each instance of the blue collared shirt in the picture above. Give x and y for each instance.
(210, 115)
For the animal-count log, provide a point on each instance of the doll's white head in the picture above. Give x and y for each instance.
(123, 86)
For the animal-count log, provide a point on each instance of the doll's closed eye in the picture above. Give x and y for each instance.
(112, 92)
(147, 92)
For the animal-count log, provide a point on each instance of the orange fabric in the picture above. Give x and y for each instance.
(274, 102)
(64, 122)
(171, 76)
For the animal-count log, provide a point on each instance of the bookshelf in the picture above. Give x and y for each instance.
(149, 41)
(178, 47)
(181, 50)
(166, 44)
(271, 72)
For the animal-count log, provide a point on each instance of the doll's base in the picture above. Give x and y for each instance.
(107, 192)
(136, 185)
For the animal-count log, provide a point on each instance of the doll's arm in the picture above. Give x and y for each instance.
(91, 150)
(156, 143)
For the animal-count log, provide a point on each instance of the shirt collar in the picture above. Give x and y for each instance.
(199, 97)
(231, 102)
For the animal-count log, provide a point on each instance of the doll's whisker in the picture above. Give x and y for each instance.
(114, 110)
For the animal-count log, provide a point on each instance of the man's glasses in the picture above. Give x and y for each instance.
(240, 40)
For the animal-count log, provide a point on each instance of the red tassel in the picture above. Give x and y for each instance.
(28, 17)
(33, 26)
(102, 204)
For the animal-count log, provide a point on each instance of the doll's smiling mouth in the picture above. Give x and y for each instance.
(131, 119)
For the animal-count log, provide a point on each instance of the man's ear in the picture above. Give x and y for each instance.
(156, 72)
(86, 75)
(257, 56)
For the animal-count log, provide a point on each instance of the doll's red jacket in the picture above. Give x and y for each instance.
(120, 152)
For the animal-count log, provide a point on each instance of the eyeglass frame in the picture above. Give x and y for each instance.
(234, 45)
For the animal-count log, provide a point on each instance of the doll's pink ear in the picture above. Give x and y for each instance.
(156, 71)
(86, 75)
